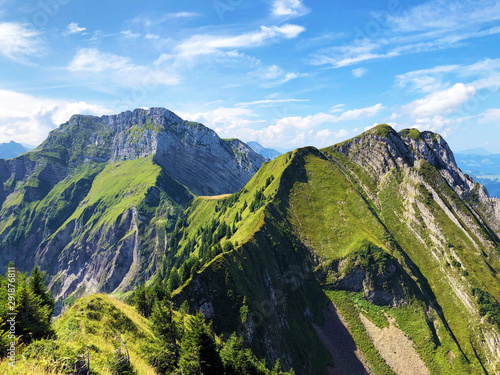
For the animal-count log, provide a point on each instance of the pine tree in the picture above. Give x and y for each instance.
(163, 354)
(198, 353)
(37, 286)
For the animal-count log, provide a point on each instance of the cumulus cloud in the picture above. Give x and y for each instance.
(290, 132)
(28, 119)
(441, 102)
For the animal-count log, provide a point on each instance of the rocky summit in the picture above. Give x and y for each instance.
(92, 203)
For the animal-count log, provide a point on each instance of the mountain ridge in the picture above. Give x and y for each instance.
(366, 247)
(384, 225)
(139, 160)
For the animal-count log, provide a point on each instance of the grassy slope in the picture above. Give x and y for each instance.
(97, 324)
(332, 215)
(334, 219)
(464, 324)
(266, 250)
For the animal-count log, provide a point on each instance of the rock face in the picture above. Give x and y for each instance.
(385, 217)
(92, 203)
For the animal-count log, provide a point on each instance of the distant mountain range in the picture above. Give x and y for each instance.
(266, 152)
(11, 150)
(483, 166)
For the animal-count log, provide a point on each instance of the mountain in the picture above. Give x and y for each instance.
(11, 150)
(483, 167)
(356, 258)
(266, 152)
(475, 151)
(93, 203)
(377, 255)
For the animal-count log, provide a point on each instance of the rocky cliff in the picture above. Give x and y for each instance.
(93, 202)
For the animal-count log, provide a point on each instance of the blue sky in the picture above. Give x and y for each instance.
(286, 73)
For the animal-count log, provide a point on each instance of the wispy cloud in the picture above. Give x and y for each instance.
(358, 51)
(129, 34)
(270, 102)
(122, 70)
(425, 80)
(359, 72)
(434, 25)
(182, 15)
(74, 28)
(18, 41)
(446, 15)
(491, 115)
(484, 74)
(274, 75)
(289, 8)
(209, 44)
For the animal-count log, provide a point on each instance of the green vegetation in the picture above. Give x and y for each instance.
(488, 306)
(411, 133)
(26, 308)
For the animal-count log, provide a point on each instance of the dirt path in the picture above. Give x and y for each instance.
(334, 334)
(397, 349)
(215, 196)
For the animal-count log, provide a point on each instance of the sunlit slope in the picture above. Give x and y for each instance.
(375, 218)
(91, 332)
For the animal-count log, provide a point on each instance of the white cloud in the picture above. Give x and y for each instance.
(289, 132)
(433, 25)
(121, 70)
(491, 115)
(358, 51)
(425, 80)
(17, 41)
(441, 102)
(210, 44)
(152, 36)
(446, 15)
(274, 75)
(129, 34)
(270, 102)
(28, 119)
(93, 61)
(328, 137)
(74, 28)
(355, 114)
(284, 127)
(359, 72)
(182, 15)
(289, 8)
(436, 124)
(227, 122)
(337, 108)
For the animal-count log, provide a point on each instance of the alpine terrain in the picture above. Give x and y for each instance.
(373, 256)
